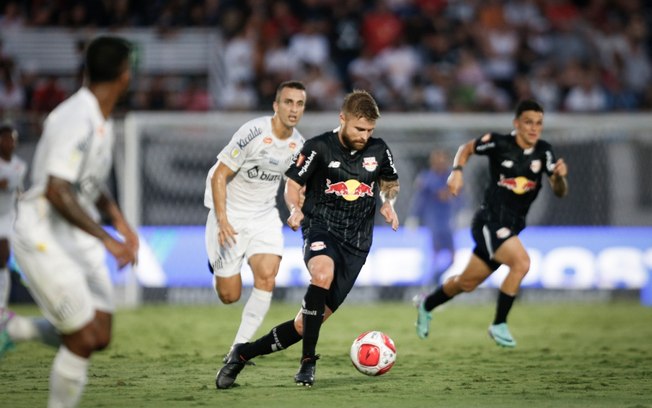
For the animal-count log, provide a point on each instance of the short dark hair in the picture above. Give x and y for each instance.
(8, 128)
(360, 104)
(527, 105)
(106, 58)
(289, 84)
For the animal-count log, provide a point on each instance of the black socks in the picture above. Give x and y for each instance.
(505, 302)
(279, 338)
(314, 304)
(436, 298)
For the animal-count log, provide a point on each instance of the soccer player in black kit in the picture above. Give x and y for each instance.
(342, 172)
(517, 162)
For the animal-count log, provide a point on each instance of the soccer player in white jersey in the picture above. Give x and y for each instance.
(243, 221)
(59, 243)
(12, 173)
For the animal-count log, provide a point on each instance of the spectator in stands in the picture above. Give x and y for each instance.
(239, 96)
(544, 85)
(346, 37)
(195, 97)
(562, 31)
(158, 94)
(375, 38)
(11, 18)
(47, 95)
(12, 95)
(588, 95)
(310, 45)
(399, 62)
(282, 23)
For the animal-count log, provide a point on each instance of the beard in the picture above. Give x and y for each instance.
(350, 143)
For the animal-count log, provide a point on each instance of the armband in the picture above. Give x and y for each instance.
(457, 168)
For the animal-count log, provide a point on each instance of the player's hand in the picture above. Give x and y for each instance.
(226, 234)
(132, 241)
(560, 168)
(123, 253)
(295, 218)
(387, 211)
(455, 182)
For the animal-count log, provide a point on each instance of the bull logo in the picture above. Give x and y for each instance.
(350, 189)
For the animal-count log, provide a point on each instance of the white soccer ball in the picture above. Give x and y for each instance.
(373, 353)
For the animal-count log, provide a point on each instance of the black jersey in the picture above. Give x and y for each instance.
(342, 186)
(515, 173)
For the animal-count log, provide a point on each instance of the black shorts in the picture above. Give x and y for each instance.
(489, 234)
(347, 264)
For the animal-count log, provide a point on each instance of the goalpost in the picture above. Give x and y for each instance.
(162, 160)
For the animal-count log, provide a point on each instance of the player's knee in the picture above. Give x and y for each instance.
(298, 324)
(228, 297)
(265, 283)
(521, 266)
(322, 278)
(227, 294)
(88, 341)
(466, 285)
(102, 341)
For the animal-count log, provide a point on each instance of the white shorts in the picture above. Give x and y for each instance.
(7, 225)
(67, 274)
(263, 235)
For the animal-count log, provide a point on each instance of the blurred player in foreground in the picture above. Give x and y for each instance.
(12, 174)
(243, 221)
(517, 162)
(60, 244)
(342, 171)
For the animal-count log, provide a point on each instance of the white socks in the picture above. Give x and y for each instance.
(253, 314)
(67, 379)
(33, 328)
(5, 286)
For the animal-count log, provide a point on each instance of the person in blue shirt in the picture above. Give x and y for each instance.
(434, 207)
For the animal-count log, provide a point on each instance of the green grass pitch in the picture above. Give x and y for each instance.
(568, 355)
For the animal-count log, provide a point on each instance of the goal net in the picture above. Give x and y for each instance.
(163, 159)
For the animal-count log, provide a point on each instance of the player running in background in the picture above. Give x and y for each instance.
(343, 172)
(517, 162)
(243, 221)
(12, 174)
(434, 207)
(59, 243)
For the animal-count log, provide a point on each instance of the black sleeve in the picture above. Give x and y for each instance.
(305, 164)
(387, 168)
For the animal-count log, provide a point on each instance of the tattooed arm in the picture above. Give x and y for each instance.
(388, 193)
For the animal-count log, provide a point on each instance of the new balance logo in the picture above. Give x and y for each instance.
(334, 165)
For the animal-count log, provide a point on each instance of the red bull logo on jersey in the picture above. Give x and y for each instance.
(535, 166)
(518, 185)
(350, 189)
(369, 163)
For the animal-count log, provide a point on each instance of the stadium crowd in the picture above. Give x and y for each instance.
(412, 55)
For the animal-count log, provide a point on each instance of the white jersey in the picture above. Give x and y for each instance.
(259, 160)
(14, 172)
(77, 146)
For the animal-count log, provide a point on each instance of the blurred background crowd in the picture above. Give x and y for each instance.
(413, 55)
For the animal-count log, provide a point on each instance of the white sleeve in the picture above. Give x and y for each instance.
(236, 151)
(69, 145)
